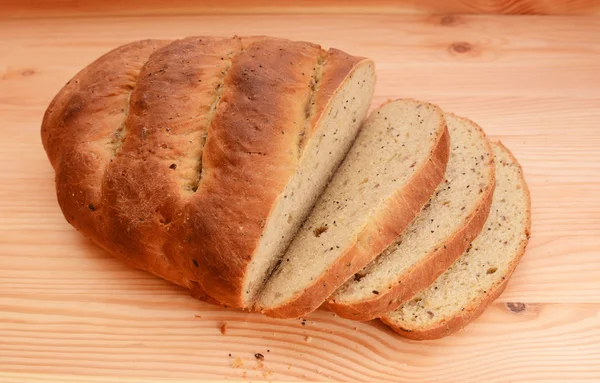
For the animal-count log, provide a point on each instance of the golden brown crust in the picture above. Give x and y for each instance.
(221, 274)
(81, 128)
(170, 110)
(175, 172)
(423, 274)
(197, 292)
(256, 127)
(100, 89)
(479, 305)
(385, 226)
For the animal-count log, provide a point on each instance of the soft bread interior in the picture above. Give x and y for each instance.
(469, 176)
(394, 142)
(324, 150)
(485, 264)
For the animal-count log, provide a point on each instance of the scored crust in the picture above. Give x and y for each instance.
(478, 305)
(171, 154)
(422, 274)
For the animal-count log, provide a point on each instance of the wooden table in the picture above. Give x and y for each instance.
(69, 312)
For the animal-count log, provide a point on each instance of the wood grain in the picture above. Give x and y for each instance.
(77, 8)
(69, 312)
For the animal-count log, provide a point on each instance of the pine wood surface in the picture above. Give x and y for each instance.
(69, 312)
(77, 8)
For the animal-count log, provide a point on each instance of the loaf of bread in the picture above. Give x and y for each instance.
(198, 159)
(393, 167)
(450, 220)
(480, 275)
(238, 169)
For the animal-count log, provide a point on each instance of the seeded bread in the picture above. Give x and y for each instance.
(395, 164)
(482, 272)
(198, 159)
(447, 224)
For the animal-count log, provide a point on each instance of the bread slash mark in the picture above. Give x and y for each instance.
(213, 111)
(309, 108)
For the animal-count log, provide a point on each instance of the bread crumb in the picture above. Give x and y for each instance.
(238, 362)
(260, 366)
(307, 338)
(266, 373)
(224, 328)
(198, 316)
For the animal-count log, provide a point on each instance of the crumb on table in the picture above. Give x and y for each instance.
(238, 362)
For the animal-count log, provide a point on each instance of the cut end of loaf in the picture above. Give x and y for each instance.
(325, 140)
(481, 273)
(391, 170)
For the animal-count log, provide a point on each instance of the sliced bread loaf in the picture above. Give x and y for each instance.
(393, 167)
(198, 159)
(482, 272)
(451, 219)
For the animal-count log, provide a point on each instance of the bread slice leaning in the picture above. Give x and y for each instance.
(393, 167)
(482, 272)
(451, 219)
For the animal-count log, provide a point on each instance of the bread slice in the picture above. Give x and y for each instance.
(393, 167)
(450, 220)
(482, 272)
